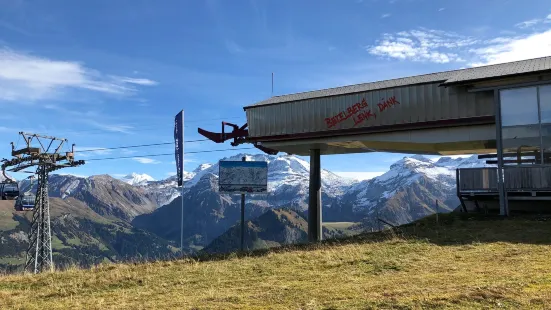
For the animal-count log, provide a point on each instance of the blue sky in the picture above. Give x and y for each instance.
(111, 73)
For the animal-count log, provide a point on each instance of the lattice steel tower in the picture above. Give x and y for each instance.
(39, 253)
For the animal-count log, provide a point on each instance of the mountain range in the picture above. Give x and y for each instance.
(97, 218)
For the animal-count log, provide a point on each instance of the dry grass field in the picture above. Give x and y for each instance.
(466, 262)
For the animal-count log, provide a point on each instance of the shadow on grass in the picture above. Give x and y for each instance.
(451, 229)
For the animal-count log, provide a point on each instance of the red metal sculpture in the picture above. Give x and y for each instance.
(239, 135)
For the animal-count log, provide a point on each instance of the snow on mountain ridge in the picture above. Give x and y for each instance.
(405, 172)
(288, 178)
(441, 170)
(201, 167)
(283, 171)
(137, 179)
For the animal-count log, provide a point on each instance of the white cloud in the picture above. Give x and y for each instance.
(360, 175)
(169, 174)
(385, 15)
(145, 160)
(444, 47)
(28, 77)
(533, 22)
(121, 128)
(441, 9)
(145, 82)
(421, 45)
(502, 50)
(528, 23)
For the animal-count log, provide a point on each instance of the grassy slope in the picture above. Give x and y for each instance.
(342, 228)
(464, 263)
(84, 236)
(6, 216)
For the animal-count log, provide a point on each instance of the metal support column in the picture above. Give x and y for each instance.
(503, 205)
(243, 217)
(314, 202)
(39, 254)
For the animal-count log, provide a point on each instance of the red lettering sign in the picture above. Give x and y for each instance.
(360, 112)
(385, 104)
(344, 115)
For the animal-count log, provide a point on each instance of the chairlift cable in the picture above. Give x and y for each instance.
(136, 146)
(169, 154)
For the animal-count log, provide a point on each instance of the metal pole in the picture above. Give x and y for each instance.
(437, 212)
(503, 206)
(314, 200)
(379, 222)
(182, 224)
(182, 219)
(243, 216)
(539, 121)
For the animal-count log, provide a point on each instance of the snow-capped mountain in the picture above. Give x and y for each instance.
(287, 179)
(407, 171)
(288, 182)
(406, 192)
(137, 179)
(107, 196)
(201, 167)
(163, 192)
(409, 190)
(209, 213)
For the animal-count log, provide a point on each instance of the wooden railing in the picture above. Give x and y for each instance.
(476, 180)
(516, 179)
(527, 178)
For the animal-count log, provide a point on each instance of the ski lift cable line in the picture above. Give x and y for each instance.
(130, 126)
(135, 146)
(168, 154)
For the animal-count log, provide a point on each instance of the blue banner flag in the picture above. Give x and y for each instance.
(179, 144)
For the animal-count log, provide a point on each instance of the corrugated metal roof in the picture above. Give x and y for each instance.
(505, 69)
(447, 77)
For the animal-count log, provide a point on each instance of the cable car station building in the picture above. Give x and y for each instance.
(503, 111)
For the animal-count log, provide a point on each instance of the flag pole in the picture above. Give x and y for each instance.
(182, 180)
(179, 156)
(182, 225)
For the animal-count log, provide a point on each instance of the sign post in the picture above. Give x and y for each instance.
(179, 154)
(243, 216)
(243, 177)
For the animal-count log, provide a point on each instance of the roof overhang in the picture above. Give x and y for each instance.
(447, 78)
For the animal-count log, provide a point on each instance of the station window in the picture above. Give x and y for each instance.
(526, 122)
(519, 107)
(520, 121)
(545, 107)
(545, 103)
